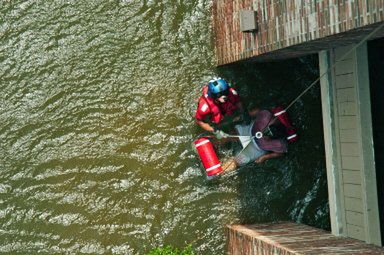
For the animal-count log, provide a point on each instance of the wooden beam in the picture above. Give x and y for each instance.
(365, 133)
(333, 173)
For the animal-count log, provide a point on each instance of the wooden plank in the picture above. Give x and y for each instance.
(352, 176)
(349, 149)
(346, 95)
(345, 81)
(369, 183)
(356, 232)
(347, 122)
(355, 218)
(341, 51)
(347, 109)
(351, 163)
(352, 190)
(345, 67)
(333, 175)
(353, 204)
(348, 135)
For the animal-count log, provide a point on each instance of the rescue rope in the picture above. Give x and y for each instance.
(328, 69)
(228, 136)
(336, 62)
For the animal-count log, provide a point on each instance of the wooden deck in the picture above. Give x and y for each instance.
(288, 238)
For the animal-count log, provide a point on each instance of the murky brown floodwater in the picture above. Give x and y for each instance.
(95, 131)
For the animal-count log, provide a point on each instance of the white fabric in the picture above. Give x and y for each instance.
(201, 143)
(279, 113)
(252, 151)
(213, 167)
(244, 140)
(223, 99)
(204, 107)
(214, 79)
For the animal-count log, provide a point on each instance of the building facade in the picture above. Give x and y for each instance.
(291, 28)
(337, 31)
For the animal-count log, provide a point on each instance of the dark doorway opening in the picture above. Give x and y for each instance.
(292, 187)
(376, 77)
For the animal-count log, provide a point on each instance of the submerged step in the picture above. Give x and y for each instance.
(286, 238)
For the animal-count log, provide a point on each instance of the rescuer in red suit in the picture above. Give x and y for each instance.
(218, 101)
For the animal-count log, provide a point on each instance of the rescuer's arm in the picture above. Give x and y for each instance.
(202, 113)
(217, 132)
(268, 156)
(205, 126)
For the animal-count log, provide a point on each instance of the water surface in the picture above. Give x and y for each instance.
(96, 130)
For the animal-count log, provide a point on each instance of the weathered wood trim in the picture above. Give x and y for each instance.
(349, 149)
(351, 176)
(333, 174)
(354, 204)
(351, 163)
(341, 51)
(356, 232)
(346, 95)
(355, 218)
(347, 109)
(353, 190)
(344, 81)
(350, 138)
(344, 67)
(347, 122)
(348, 135)
(364, 129)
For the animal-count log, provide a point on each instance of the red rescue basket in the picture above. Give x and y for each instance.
(208, 157)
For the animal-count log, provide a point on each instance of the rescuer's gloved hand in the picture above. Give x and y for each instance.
(220, 134)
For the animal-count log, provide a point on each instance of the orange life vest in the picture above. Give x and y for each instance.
(218, 111)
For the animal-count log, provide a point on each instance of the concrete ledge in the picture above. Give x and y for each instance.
(288, 238)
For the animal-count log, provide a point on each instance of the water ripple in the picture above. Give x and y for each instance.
(96, 130)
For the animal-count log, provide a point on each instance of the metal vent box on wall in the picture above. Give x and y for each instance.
(248, 21)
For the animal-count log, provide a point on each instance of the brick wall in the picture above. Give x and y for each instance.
(289, 28)
(288, 238)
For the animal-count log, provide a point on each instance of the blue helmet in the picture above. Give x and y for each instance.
(217, 86)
